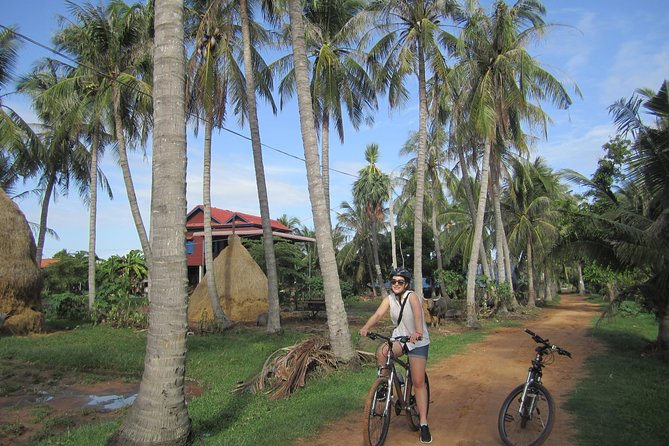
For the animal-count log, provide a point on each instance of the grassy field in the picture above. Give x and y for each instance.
(622, 401)
(216, 363)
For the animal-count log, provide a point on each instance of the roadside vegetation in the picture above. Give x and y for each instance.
(623, 399)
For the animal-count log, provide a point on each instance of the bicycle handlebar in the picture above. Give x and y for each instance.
(402, 339)
(547, 345)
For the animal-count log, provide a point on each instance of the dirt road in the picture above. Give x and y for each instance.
(468, 389)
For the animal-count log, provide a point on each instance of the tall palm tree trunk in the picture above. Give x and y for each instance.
(92, 217)
(391, 222)
(44, 213)
(274, 313)
(499, 227)
(340, 338)
(420, 175)
(127, 177)
(435, 229)
(472, 208)
(581, 283)
(477, 239)
(377, 263)
(531, 295)
(159, 415)
(221, 320)
(325, 157)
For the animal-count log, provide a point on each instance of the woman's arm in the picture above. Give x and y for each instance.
(374, 318)
(417, 310)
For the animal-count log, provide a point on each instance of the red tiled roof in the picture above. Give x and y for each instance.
(47, 262)
(222, 218)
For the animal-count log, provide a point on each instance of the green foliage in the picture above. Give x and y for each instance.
(68, 275)
(346, 289)
(70, 306)
(312, 288)
(452, 283)
(291, 264)
(120, 300)
(504, 293)
(122, 311)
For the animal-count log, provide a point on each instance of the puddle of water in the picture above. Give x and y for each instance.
(43, 397)
(111, 402)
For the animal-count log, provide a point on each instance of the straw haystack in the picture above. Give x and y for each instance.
(241, 285)
(20, 278)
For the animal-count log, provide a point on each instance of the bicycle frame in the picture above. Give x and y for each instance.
(534, 375)
(395, 380)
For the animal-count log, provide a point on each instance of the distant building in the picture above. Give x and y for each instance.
(223, 224)
(46, 262)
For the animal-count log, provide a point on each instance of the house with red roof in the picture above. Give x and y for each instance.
(223, 224)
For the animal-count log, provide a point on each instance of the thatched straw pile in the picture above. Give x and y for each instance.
(241, 285)
(20, 277)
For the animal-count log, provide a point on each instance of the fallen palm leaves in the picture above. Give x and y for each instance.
(286, 369)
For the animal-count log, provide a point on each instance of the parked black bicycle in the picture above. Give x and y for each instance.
(528, 413)
(391, 391)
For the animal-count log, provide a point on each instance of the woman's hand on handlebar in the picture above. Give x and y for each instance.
(415, 337)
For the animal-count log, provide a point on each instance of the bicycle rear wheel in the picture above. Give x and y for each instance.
(376, 418)
(532, 427)
(413, 417)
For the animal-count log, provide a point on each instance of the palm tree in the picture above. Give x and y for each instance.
(337, 76)
(60, 155)
(435, 172)
(254, 64)
(113, 43)
(369, 193)
(532, 218)
(209, 80)
(355, 254)
(75, 90)
(503, 79)
(640, 235)
(411, 43)
(340, 338)
(14, 131)
(159, 415)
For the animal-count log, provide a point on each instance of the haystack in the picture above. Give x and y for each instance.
(241, 285)
(20, 277)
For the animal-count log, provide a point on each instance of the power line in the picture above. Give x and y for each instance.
(81, 64)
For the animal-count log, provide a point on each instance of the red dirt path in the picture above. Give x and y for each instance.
(468, 389)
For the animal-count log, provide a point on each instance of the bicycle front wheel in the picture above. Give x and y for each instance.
(532, 426)
(377, 418)
(413, 417)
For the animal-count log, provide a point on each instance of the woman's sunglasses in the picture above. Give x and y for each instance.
(397, 282)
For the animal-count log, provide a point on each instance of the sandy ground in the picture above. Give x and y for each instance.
(468, 389)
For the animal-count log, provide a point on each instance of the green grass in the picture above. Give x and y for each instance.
(217, 363)
(623, 400)
(94, 349)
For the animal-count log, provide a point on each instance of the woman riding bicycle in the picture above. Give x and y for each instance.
(409, 321)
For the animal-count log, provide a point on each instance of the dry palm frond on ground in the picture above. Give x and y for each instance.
(286, 369)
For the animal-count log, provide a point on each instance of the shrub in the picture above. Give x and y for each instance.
(66, 305)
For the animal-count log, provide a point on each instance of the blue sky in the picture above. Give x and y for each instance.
(606, 47)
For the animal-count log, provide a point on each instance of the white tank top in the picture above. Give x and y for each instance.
(407, 326)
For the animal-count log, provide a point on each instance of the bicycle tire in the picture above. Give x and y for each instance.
(376, 418)
(532, 429)
(413, 417)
